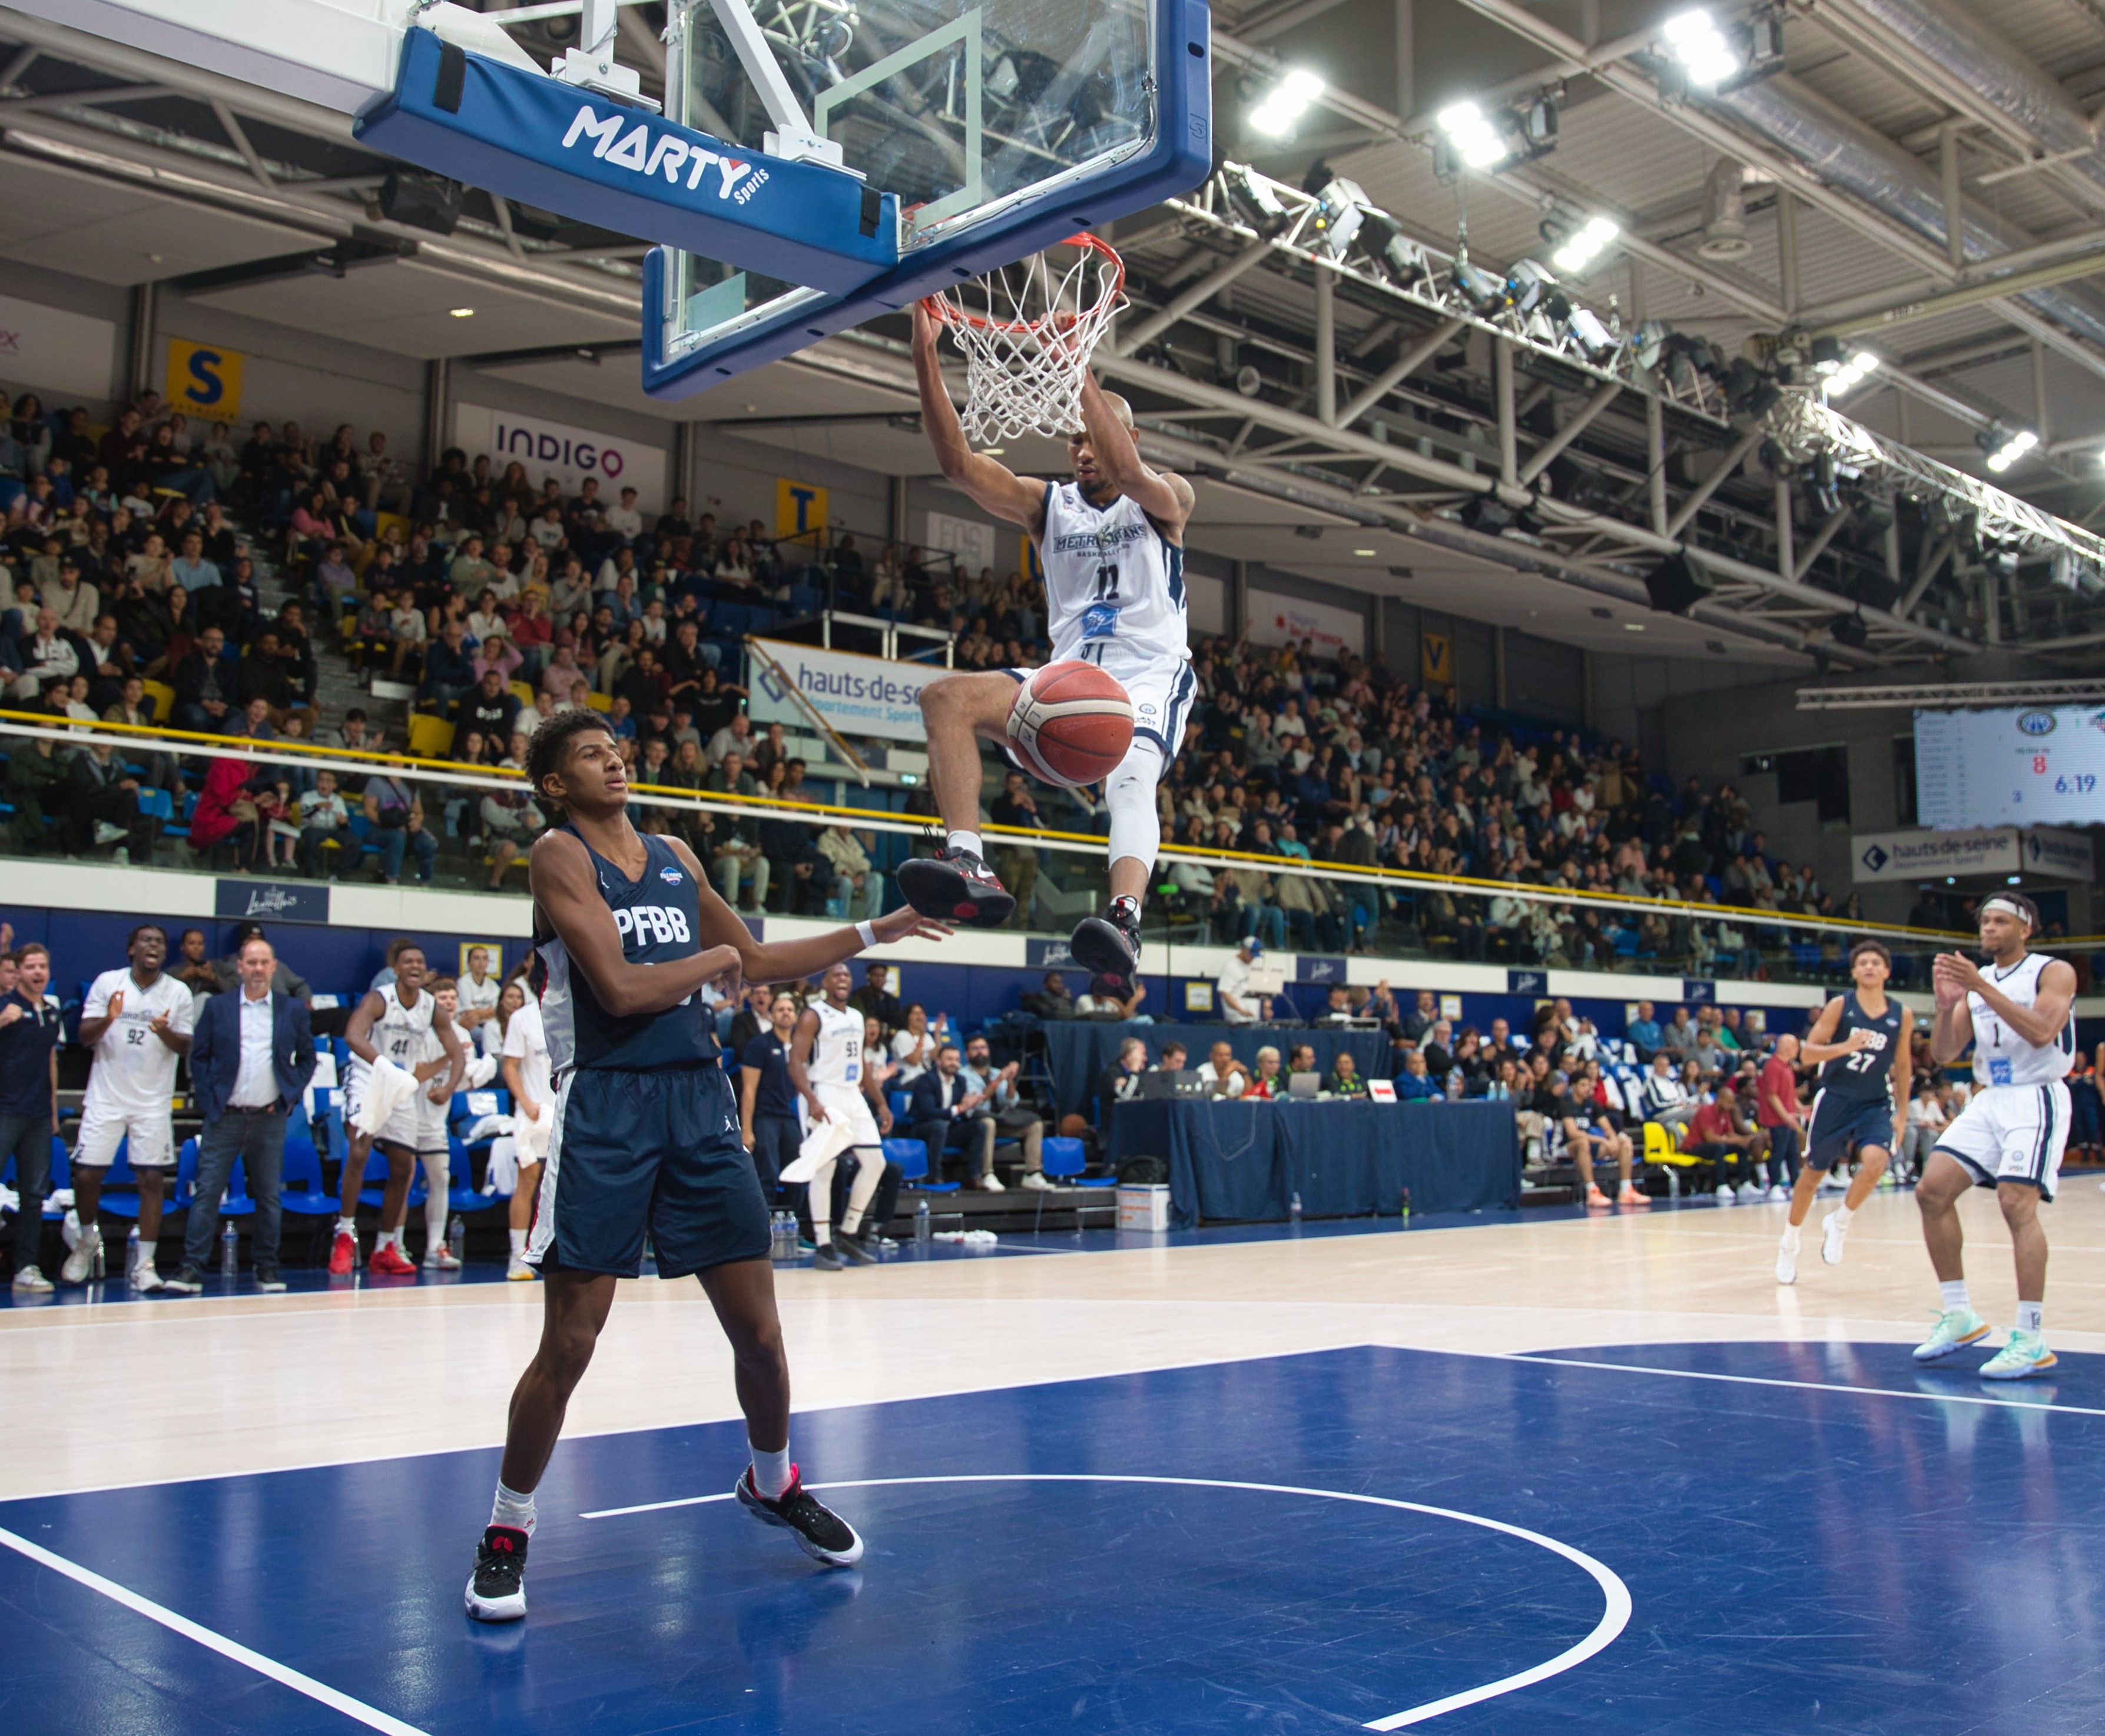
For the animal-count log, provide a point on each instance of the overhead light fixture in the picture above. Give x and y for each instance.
(2004, 449)
(1580, 250)
(1851, 374)
(1275, 115)
(1634, 627)
(1479, 142)
(1342, 207)
(1707, 58)
(461, 313)
(1366, 553)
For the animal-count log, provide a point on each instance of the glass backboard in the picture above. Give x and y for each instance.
(1001, 126)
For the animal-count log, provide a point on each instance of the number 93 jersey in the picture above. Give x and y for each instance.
(1113, 583)
(1866, 1077)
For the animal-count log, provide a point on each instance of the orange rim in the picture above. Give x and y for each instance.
(941, 309)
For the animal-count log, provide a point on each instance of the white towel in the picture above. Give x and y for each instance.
(824, 1143)
(532, 1133)
(387, 1087)
(501, 1175)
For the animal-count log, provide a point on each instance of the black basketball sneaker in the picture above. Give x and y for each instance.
(820, 1533)
(1109, 945)
(496, 1589)
(954, 886)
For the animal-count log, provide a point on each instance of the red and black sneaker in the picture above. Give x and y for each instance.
(1109, 945)
(954, 886)
(496, 1589)
(820, 1533)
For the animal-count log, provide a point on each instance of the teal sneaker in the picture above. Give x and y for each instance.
(2025, 1355)
(1957, 1328)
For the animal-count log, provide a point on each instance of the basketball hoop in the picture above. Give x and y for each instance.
(1026, 351)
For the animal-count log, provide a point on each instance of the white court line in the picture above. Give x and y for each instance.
(278, 1672)
(1614, 1618)
(1755, 1380)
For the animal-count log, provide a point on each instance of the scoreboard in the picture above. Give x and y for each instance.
(2038, 765)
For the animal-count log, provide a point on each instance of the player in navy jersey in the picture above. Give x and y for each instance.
(1860, 1040)
(628, 932)
(1111, 543)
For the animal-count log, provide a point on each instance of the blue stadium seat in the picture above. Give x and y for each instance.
(302, 1194)
(376, 1174)
(1065, 1159)
(901, 1103)
(912, 1157)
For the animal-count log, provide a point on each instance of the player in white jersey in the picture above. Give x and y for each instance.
(843, 1111)
(392, 1023)
(137, 1020)
(434, 1134)
(530, 1079)
(1111, 545)
(2010, 1135)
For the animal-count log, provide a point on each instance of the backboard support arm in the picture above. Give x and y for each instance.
(792, 138)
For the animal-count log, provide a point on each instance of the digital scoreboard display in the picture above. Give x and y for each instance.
(2038, 766)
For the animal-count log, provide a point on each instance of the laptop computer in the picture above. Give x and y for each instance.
(1304, 1085)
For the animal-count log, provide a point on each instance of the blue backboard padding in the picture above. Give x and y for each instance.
(644, 176)
(1180, 156)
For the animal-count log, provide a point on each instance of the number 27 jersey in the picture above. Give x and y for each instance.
(1114, 584)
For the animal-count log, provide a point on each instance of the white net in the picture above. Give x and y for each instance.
(1027, 331)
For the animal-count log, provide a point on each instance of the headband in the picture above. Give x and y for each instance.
(2008, 909)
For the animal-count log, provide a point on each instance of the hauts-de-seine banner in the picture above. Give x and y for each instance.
(857, 695)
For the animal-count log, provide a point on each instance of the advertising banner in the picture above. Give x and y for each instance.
(1278, 620)
(1926, 856)
(204, 381)
(56, 351)
(857, 695)
(568, 453)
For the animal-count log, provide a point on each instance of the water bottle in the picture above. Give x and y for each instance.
(457, 1238)
(230, 1249)
(1406, 1208)
(924, 1225)
(1293, 1210)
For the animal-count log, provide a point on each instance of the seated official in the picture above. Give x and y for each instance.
(947, 1112)
(1120, 1082)
(1414, 1084)
(1267, 1083)
(1345, 1080)
(1223, 1072)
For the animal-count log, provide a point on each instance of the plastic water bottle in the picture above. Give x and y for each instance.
(1406, 1208)
(924, 1225)
(457, 1238)
(230, 1249)
(1293, 1210)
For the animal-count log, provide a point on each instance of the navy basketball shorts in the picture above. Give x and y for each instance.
(1840, 1124)
(659, 1150)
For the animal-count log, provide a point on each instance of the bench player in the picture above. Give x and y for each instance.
(137, 1020)
(844, 1110)
(1111, 545)
(626, 932)
(1862, 1040)
(2010, 1135)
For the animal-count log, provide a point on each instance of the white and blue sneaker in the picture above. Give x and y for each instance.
(1957, 1328)
(2024, 1356)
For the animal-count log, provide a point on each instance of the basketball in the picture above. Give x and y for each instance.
(1071, 724)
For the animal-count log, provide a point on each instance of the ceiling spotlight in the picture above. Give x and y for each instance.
(1275, 115)
(1582, 248)
(1706, 56)
(1366, 552)
(1850, 374)
(1475, 139)
(461, 313)
(2004, 449)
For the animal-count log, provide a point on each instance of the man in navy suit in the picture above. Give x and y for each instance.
(252, 1055)
(946, 1111)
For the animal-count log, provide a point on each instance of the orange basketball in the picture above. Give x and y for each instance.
(1071, 724)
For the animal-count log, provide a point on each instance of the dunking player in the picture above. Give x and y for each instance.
(1111, 544)
(626, 932)
(846, 1111)
(1864, 1039)
(2010, 1137)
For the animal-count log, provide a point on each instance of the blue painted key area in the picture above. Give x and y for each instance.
(1826, 1538)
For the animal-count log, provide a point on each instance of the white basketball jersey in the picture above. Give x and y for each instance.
(837, 1051)
(399, 1031)
(134, 1071)
(2002, 1057)
(1114, 584)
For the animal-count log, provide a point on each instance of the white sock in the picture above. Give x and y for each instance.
(513, 1508)
(771, 1471)
(346, 1226)
(869, 1171)
(518, 1242)
(1955, 1296)
(146, 1253)
(967, 841)
(1842, 1214)
(2029, 1316)
(1790, 1238)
